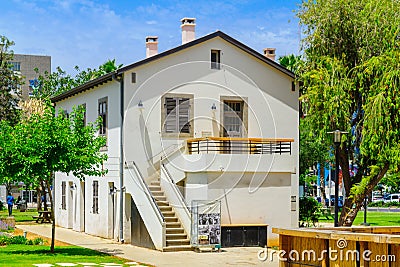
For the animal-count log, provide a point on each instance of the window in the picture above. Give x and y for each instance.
(177, 114)
(83, 106)
(65, 113)
(216, 59)
(63, 196)
(233, 118)
(103, 116)
(15, 66)
(95, 197)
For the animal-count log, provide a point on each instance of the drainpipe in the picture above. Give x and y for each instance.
(120, 78)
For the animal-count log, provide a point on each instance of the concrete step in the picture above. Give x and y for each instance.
(155, 183)
(157, 193)
(176, 236)
(175, 231)
(170, 219)
(155, 188)
(173, 225)
(165, 208)
(162, 203)
(178, 242)
(160, 198)
(178, 248)
(168, 213)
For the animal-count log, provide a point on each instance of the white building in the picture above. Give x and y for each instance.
(212, 115)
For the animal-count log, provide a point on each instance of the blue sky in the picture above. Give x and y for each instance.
(87, 33)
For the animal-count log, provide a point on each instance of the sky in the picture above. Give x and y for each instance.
(87, 33)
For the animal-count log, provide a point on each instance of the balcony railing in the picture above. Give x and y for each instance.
(227, 145)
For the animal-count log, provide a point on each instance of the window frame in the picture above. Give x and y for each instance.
(245, 112)
(104, 123)
(177, 134)
(95, 194)
(215, 64)
(63, 195)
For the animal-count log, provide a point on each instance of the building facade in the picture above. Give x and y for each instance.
(209, 120)
(25, 66)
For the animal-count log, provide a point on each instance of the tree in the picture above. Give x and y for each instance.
(46, 144)
(312, 149)
(59, 81)
(10, 83)
(351, 77)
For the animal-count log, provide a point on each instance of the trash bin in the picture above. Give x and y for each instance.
(22, 206)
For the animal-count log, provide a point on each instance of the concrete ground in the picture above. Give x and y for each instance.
(228, 257)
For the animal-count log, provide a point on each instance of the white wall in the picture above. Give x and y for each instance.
(273, 107)
(96, 224)
(272, 113)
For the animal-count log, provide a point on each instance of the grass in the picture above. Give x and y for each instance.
(25, 216)
(373, 218)
(24, 255)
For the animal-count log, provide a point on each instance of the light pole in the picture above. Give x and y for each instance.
(337, 139)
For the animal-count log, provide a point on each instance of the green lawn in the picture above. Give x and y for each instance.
(374, 218)
(23, 255)
(20, 216)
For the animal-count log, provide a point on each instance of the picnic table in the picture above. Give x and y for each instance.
(44, 216)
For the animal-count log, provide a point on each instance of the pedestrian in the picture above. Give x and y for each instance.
(10, 203)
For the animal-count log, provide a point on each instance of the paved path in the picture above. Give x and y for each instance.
(228, 256)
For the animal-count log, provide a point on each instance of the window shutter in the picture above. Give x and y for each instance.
(171, 112)
(184, 109)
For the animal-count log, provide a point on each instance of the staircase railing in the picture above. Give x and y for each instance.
(147, 192)
(177, 199)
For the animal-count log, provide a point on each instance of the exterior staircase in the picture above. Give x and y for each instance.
(176, 238)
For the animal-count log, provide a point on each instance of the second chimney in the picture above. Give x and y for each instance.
(151, 46)
(270, 53)
(188, 33)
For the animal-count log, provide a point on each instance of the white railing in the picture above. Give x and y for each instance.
(147, 207)
(175, 199)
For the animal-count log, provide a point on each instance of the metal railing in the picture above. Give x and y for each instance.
(147, 192)
(227, 145)
(177, 191)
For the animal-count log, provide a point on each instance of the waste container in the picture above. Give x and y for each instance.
(22, 205)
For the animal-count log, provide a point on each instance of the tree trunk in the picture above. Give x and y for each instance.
(53, 222)
(352, 206)
(39, 198)
(322, 184)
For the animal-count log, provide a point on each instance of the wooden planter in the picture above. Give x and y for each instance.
(339, 247)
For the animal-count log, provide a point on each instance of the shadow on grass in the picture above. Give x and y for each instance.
(64, 251)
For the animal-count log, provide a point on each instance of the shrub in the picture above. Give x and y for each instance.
(38, 241)
(17, 240)
(376, 204)
(392, 204)
(20, 240)
(2, 205)
(309, 211)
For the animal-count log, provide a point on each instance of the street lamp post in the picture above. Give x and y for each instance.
(337, 139)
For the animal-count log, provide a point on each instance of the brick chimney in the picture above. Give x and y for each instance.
(270, 53)
(151, 46)
(188, 33)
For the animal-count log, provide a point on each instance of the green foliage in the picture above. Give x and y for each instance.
(351, 79)
(383, 204)
(19, 240)
(309, 211)
(291, 62)
(2, 206)
(10, 82)
(44, 144)
(59, 81)
(312, 148)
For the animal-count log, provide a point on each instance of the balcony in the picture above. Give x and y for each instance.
(228, 145)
